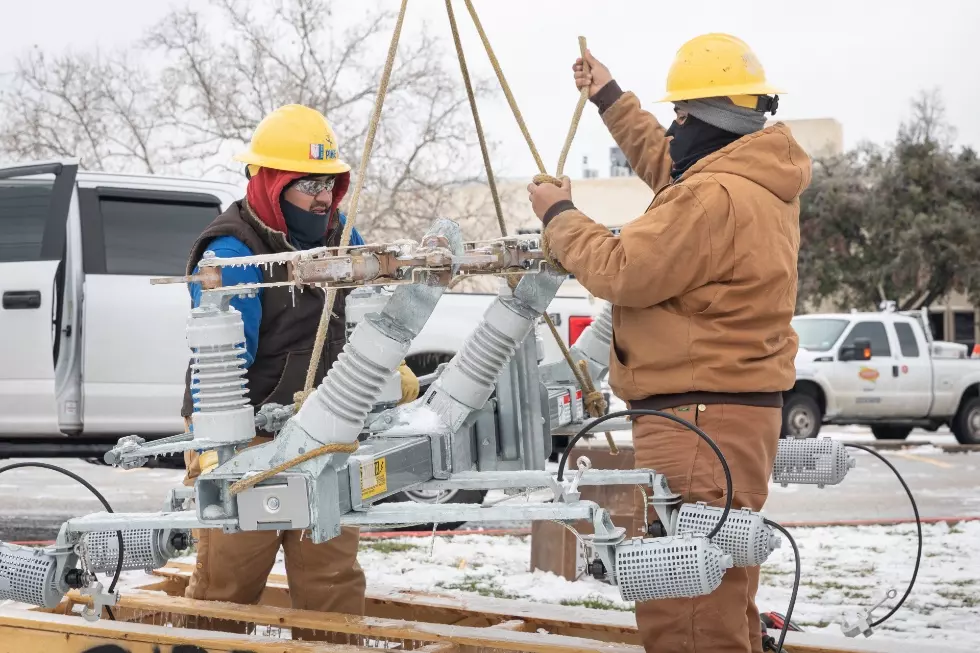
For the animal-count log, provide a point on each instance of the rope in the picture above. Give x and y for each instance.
(246, 483)
(476, 119)
(321, 331)
(595, 402)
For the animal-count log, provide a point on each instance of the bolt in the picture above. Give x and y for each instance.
(272, 503)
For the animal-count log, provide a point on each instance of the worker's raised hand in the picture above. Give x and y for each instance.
(596, 77)
(545, 195)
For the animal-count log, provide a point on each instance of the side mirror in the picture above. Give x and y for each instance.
(859, 351)
(862, 347)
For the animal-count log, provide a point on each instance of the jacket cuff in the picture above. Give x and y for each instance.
(555, 209)
(606, 96)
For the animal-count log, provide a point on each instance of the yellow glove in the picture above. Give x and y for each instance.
(208, 461)
(410, 384)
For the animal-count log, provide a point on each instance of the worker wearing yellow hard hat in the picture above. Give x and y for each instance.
(296, 181)
(703, 286)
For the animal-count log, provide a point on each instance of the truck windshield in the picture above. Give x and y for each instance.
(818, 334)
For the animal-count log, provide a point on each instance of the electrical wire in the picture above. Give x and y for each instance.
(918, 526)
(670, 416)
(98, 495)
(796, 584)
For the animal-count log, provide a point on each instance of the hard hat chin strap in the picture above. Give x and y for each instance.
(767, 104)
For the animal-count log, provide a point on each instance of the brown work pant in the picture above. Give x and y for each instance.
(234, 567)
(727, 620)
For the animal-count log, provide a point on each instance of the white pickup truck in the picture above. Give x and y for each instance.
(881, 370)
(90, 350)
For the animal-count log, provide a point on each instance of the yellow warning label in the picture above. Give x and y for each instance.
(374, 478)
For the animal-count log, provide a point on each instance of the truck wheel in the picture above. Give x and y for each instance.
(890, 431)
(966, 424)
(801, 416)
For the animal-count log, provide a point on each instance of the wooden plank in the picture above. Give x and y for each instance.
(22, 631)
(374, 627)
(433, 607)
(601, 625)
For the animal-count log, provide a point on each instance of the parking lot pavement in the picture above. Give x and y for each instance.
(34, 503)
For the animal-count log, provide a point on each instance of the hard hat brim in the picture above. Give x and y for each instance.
(313, 166)
(720, 91)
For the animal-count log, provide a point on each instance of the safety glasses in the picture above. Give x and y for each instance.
(313, 186)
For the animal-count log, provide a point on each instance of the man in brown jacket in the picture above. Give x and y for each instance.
(704, 287)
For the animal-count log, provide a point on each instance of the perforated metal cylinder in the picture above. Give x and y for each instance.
(679, 566)
(142, 549)
(29, 575)
(812, 462)
(745, 535)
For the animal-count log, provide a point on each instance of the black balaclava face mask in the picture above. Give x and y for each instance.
(694, 140)
(306, 229)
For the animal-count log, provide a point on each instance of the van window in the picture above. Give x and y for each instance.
(151, 237)
(24, 208)
(906, 340)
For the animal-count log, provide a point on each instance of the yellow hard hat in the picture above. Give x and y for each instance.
(297, 139)
(717, 65)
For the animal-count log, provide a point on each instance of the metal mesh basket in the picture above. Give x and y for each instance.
(142, 549)
(744, 536)
(680, 566)
(28, 575)
(815, 462)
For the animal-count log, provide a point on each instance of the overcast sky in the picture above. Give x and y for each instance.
(859, 61)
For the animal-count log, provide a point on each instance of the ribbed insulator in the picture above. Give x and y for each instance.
(485, 354)
(218, 378)
(351, 386)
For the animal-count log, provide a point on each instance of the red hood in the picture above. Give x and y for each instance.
(265, 189)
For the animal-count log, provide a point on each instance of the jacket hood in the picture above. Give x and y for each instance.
(770, 158)
(265, 188)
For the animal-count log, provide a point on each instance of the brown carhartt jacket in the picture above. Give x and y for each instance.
(704, 283)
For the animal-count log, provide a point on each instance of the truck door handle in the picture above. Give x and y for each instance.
(21, 299)
(895, 371)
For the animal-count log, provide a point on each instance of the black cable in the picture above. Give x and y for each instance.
(658, 413)
(796, 584)
(98, 495)
(918, 526)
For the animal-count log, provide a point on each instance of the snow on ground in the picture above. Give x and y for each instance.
(843, 569)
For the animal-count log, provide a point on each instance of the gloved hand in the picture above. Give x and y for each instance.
(410, 384)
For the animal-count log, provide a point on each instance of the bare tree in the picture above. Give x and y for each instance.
(189, 93)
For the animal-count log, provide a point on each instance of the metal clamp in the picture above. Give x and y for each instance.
(861, 625)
